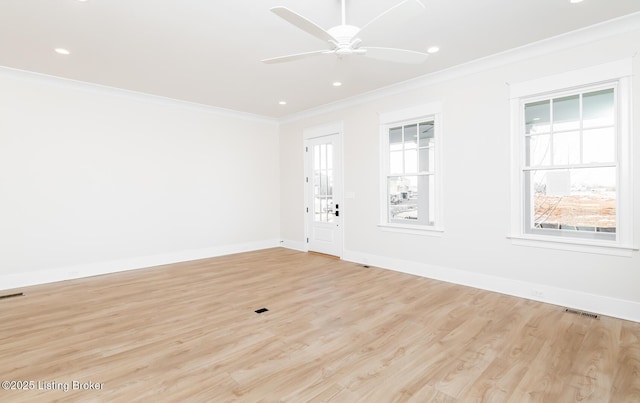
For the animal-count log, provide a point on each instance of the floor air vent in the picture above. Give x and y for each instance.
(20, 294)
(259, 311)
(581, 313)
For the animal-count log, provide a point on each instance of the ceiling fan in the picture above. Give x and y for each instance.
(345, 40)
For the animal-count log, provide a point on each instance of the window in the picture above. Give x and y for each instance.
(570, 165)
(573, 178)
(410, 175)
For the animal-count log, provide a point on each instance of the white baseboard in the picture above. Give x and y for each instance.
(600, 304)
(295, 245)
(17, 280)
(623, 309)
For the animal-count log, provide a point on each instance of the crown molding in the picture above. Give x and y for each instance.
(592, 33)
(129, 94)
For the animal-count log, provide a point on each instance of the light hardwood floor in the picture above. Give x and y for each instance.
(335, 331)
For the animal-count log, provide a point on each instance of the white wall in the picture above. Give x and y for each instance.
(96, 180)
(474, 248)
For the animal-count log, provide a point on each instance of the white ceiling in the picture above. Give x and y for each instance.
(209, 51)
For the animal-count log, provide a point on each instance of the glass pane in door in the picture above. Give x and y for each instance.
(324, 210)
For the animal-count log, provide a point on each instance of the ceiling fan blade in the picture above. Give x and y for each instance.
(391, 19)
(302, 23)
(396, 55)
(297, 56)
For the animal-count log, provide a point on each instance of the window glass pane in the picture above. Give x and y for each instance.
(403, 197)
(394, 191)
(323, 209)
(424, 200)
(317, 209)
(329, 156)
(426, 134)
(324, 186)
(537, 117)
(598, 145)
(329, 175)
(331, 213)
(566, 148)
(316, 157)
(582, 199)
(431, 197)
(411, 161)
(538, 150)
(395, 139)
(316, 183)
(395, 162)
(411, 136)
(597, 108)
(566, 113)
(427, 160)
(323, 156)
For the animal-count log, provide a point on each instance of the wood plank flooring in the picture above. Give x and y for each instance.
(335, 332)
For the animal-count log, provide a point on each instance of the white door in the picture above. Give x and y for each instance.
(324, 194)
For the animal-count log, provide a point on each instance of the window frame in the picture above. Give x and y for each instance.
(615, 75)
(406, 117)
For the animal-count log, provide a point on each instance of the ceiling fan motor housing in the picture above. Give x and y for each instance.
(344, 33)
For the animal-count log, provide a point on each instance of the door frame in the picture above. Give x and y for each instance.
(311, 133)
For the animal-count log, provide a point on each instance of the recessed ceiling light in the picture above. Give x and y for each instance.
(575, 1)
(337, 83)
(282, 102)
(62, 51)
(433, 49)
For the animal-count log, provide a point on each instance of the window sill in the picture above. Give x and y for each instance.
(574, 245)
(411, 229)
